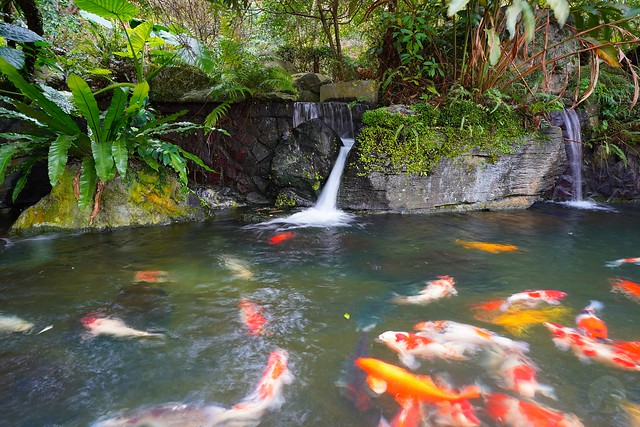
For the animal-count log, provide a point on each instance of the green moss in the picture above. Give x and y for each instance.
(285, 201)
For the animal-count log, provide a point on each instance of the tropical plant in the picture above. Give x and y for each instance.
(123, 131)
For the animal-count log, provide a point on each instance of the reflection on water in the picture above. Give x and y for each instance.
(317, 292)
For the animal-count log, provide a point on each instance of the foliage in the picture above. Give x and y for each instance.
(414, 143)
(285, 201)
(22, 36)
(124, 130)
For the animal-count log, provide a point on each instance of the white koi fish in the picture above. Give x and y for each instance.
(114, 327)
(450, 331)
(532, 299)
(248, 413)
(238, 267)
(11, 324)
(619, 262)
(435, 289)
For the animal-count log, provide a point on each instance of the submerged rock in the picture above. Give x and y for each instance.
(143, 197)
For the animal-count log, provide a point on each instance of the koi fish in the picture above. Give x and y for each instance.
(516, 372)
(519, 413)
(630, 348)
(410, 345)
(590, 324)
(114, 327)
(239, 267)
(453, 414)
(492, 305)
(11, 324)
(353, 383)
(384, 377)
(518, 322)
(533, 298)
(493, 248)
(252, 318)
(281, 237)
(410, 415)
(152, 276)
(587, 349)
(450, 331)
(626, 287)
(435, 289)
(248, 413)
(619, 262)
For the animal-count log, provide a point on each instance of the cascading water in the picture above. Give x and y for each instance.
(324, 213)
(573, 141)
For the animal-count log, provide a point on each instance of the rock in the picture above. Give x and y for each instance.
(308, 85)
(468, 182)
(143, 197)
(302, 160)
(180, 84)
(358, 90)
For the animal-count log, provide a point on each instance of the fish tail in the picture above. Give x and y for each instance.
(616, 263)
(595, 306)
(469, 392)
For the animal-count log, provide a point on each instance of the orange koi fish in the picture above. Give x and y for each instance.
(533, 298)
(586, 349)
(410, 345)
(267, 396)
(590, 324)
(435, 289)
(619, 262)
(513, 412)
(152, 276)
(252, 318)
(626, 287)
(493, 248)
(384, 377)
(281, 237)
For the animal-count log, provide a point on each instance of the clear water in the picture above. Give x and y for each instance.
(306, 285)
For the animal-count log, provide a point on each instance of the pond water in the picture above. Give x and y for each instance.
(319, 290)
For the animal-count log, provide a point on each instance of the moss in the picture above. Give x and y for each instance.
(285, 201)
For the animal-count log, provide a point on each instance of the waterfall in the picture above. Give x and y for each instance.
(324, 213)
(573, 141)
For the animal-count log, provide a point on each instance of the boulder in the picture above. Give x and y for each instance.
(468, 182)
(180, 84)
(359, 90)
(303, 159)
(308, 85)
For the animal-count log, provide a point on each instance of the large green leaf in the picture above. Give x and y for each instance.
(139, 37)
(113, 119)
(138, 97)
(6, 154)
(87, 183)
(514, 11)
(58, 151)
(86, 103)
(14, 57)
(109, 9)
(455, 6)
(103, 156)
(56, 118)
(18, 34)
(493, 43)
(120, 154)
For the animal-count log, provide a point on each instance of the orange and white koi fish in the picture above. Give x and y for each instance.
(452, 414)
(590, 324)
(152, 276)
(248, 413)
(626, 287)
(384, 377)
(619, 262)
(435, 289)
(587, 349)
(410, 345)
(533, 298)
(252, 318)
(519, 413)
(516, 372)
(11, 324)
(450, 331)
(113, 326)
(493, 248)
(281, 237)
(410, 415)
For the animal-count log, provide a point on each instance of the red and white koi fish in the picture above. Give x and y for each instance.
(435, 289)
(516, 372)
(450, 331)
(590, 324)
(113, 326)
(384, 377)
(281, 237)
(626, 287)
(452, 414)
(587, 349)
(619, 262)
(152, 276)
(533, 298)
(252, 318)
(410, 415)
(519, 413)
(11, 324)
(248, 413)
(410, 345)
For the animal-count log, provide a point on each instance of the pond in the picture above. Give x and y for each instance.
(325, 294)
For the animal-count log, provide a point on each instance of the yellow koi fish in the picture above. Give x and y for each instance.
(493, 248)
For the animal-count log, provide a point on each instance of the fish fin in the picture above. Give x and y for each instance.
(377, 385)
(595, 306)
(469, 392)
(409, 361)
(613, 264)
(383, 422)
(548, 391)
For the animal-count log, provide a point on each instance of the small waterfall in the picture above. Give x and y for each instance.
(324, 213)
(573, 141)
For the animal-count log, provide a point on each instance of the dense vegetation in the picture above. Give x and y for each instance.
(483, 68)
